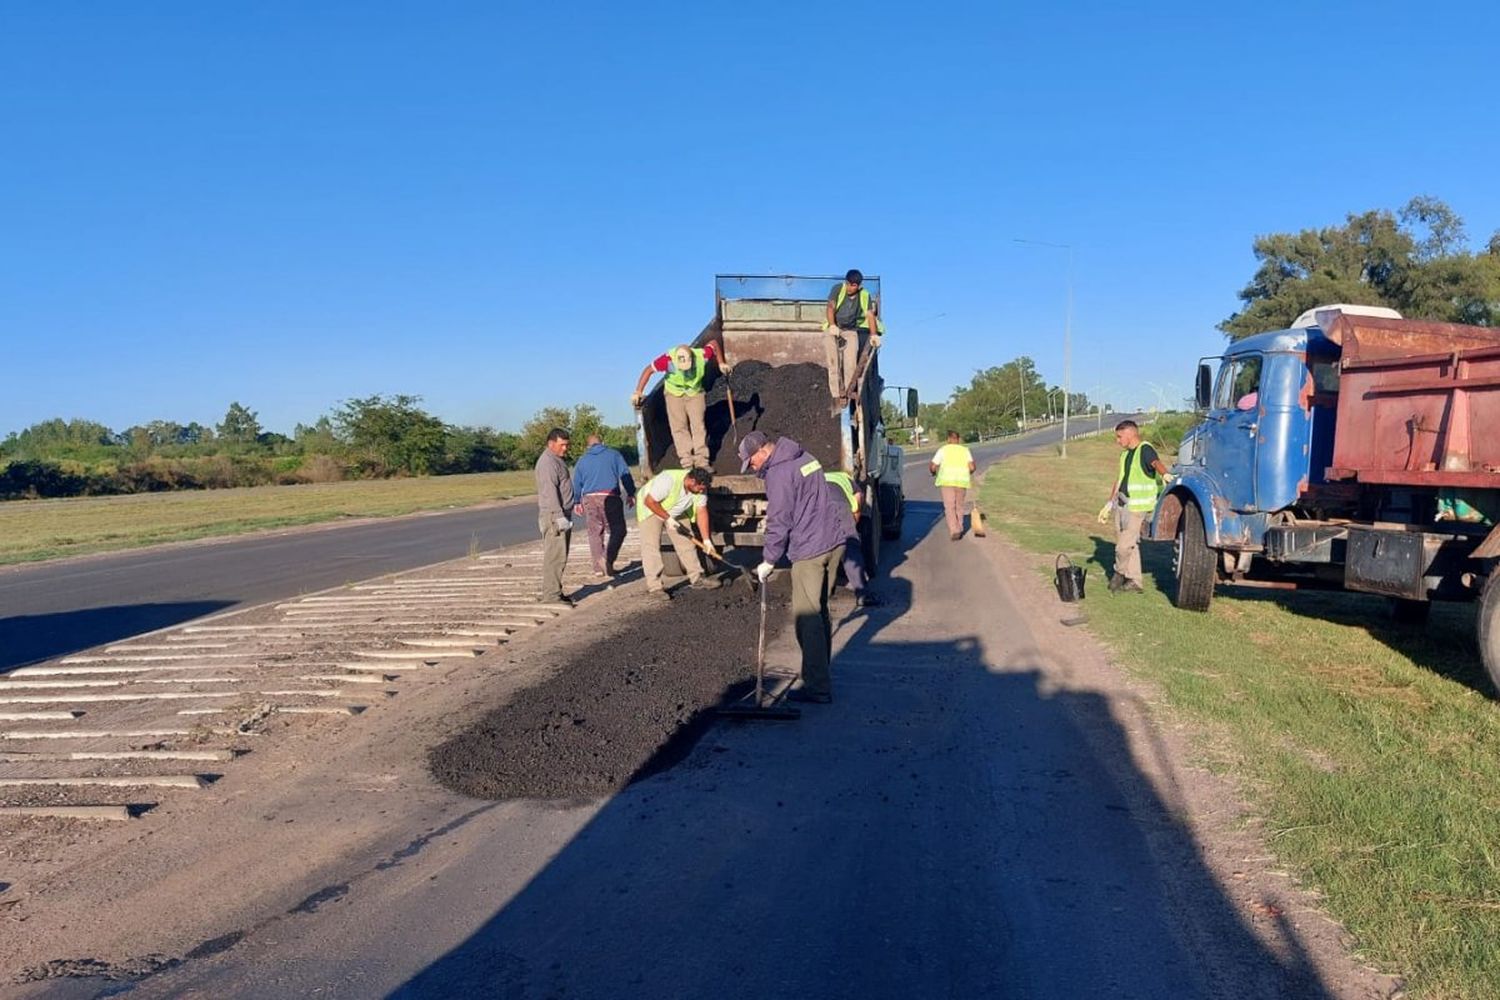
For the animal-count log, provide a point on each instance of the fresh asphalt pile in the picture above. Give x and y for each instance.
(781, 400)
(627, 705)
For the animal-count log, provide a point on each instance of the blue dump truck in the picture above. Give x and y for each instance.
(771, 328)
(1357, 450)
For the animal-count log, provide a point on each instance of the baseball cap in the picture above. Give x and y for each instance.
(749, 445)
(682, 357)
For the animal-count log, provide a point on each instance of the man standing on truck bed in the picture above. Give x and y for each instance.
(808, 523)
(1137, 485)
(847, 326)
(554, 514)
(685, 368)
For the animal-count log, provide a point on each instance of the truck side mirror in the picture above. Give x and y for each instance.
(1205, 386)
(911, 404)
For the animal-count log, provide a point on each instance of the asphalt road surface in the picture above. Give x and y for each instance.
(52, 609)
(966, 820)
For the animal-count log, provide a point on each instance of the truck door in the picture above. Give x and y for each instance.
(1229, 444)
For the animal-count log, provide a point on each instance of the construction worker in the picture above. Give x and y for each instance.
(851, 323)
(807, 523)
(599, 478)
(854, 550)
(1133, 497)
(669, 501)
(554, 503)
(685, 368)
(952, 465)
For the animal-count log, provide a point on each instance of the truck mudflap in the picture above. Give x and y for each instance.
(1416, 565)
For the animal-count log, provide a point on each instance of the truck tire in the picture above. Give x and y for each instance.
(891, 530)
(1489, 628)
(1408, 612)
(1193, 562)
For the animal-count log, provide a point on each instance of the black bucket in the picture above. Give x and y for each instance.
(1069, 579)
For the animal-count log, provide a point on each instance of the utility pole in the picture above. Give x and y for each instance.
(1067, 335)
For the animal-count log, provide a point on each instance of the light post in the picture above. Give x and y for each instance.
(1067, 335)
(1051, 411)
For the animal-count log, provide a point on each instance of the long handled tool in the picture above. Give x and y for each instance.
(755, 706)
(734, 421)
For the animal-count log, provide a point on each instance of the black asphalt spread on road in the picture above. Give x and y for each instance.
(783, 401)
(628, 705)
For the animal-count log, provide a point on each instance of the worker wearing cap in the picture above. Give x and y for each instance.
(951, 467)
(669, 501)
(854, 549)
(847, 326)
(807, 522)
(685, 368)
(1132, 499)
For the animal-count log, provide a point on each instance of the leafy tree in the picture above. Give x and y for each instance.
(392, 434)
(581, 421)
(1415, 261)
(240, 425)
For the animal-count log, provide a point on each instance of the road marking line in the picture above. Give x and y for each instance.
(131, 648)
(19, 758)
(147, 696)
(454, 643)
(90, 734)
(69, 812)
(348, 679)
(141, 780)
(151, 658)
(425, 655)
(119, 682)
(39, 716)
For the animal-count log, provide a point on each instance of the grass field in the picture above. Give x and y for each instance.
(1370, 750)
(45, 529)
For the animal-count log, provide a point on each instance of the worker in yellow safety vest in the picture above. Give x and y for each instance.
(854, 550)
(851, 323)
(685, 369)
(952, 466)
(667, 503)
(1137, 484)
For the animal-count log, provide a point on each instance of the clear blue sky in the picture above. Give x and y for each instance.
(501, 206)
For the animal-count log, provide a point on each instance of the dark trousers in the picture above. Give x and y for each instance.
(854, 564)
(606, 518)
(813, 581)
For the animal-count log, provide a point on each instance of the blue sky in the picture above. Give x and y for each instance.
(501, 206)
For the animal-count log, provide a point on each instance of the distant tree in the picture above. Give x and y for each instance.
(392, 434)
(1415, 261)
(580, 421)
(240, 425)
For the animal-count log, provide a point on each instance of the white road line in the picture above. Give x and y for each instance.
(124, 734)
(69, 812)
(18, 758)
(39, 716)
(153, 780)
(145, 696)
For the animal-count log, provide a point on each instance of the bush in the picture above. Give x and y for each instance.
(1167, 430)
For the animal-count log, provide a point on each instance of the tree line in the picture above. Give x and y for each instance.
(374, 437)
(997, 400)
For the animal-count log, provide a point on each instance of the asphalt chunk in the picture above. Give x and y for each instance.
(628, 705)
(781, 400)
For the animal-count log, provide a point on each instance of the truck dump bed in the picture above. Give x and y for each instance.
(1419, 403)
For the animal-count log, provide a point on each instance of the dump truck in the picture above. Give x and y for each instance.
(1356, 450)
(771, 328)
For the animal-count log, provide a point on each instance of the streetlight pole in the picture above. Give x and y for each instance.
(1067, 336)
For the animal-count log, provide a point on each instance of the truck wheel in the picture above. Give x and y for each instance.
(1193, 562)
(1489, 628)
(891, 529)
(1409, 612)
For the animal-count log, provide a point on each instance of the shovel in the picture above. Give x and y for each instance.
(737, 570)
(754, 705)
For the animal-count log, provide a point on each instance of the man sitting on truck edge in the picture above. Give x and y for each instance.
(847, 327)
(667, 502)
(1137, 485)
(806, 522)
(685, 368)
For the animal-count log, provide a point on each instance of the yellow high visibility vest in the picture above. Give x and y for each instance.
(953, 461)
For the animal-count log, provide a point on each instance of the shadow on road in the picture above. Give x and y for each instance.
(950, 827)
(29, 638)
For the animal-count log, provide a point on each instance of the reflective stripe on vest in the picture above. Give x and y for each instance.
(642, 512)
(808, 468)
(1141, 485)
(864, 307)
(843, 482)
(681, 383)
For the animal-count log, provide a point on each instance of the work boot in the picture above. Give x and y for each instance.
(557, 599)
(707, 583)
(665, 596)
(1132, 587)
(865, 599)
(810, 697)
(1116, 581)
(955, 536)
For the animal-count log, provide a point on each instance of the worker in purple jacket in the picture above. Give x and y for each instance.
(807, 523)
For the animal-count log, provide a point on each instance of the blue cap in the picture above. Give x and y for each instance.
(749, 445)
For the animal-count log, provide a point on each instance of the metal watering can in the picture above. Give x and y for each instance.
(1069, 579)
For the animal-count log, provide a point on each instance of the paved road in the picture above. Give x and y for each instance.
(51, 609)
(963, 822)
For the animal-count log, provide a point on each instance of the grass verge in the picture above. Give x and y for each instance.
(1370, 750)
(45, 529)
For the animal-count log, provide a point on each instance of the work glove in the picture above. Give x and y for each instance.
(1104, 512)
(708, 546)
(1168, 478)
(726, 368)
(874, 340)
(636, 399)
(763, 572)
(677, 526)
(563, 523)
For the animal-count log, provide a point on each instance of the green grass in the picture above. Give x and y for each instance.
(1371, 751)
(45, 529)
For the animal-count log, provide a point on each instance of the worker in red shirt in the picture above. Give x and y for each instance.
(685, 368)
